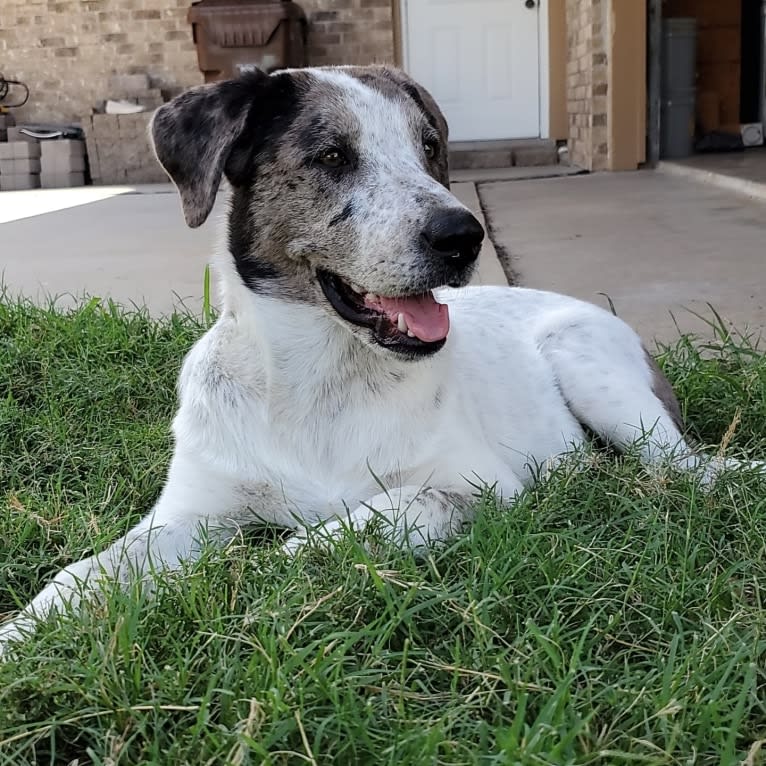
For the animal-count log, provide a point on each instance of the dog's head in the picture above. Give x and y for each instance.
(340, 194)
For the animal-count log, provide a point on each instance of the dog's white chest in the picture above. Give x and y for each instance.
(327, 431)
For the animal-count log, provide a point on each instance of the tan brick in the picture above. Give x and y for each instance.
(599, 104)
(144, 14)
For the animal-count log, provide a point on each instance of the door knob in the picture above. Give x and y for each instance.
(530, 3)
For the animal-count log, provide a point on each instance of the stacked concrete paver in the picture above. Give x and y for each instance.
(62, 164)
(19, 165)
(118, 145)
(6, 121)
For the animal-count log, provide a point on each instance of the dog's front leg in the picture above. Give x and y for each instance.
(196, 503)
(410, 515)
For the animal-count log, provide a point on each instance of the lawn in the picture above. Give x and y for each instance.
(609, 617)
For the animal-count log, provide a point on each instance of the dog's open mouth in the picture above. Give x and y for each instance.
(412, 324)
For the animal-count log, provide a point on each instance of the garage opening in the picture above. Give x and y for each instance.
(717, 119)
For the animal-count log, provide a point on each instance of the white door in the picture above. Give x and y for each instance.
(480, 59)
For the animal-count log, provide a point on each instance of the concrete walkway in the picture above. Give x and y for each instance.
(127, 243)
(654, 243)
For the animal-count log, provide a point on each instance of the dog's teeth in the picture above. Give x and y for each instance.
(410, 334)
(356, 288)
(371, 297)
(401, 323)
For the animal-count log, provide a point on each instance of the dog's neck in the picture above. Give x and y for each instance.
(310, 360)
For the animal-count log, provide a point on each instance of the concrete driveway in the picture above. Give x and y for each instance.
(127, 243)
(124, 243)
(655, 244)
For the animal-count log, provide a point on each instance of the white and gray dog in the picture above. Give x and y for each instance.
(349, 355)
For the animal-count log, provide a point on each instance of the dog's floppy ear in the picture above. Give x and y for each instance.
(193, 136)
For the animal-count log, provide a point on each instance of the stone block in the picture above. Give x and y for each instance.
(63, 148)
(25, 149)
(136, 154)
(105, 125)
(19, 150)
(62, 180)
(147, 175)
(91, 147)
(133, 124)
(20, 166)
(129, 84)
(59, 164)
(151, 100)
(111, 154)
(12, 182)
(112, 175)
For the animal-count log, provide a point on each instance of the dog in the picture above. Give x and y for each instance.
(352, 375)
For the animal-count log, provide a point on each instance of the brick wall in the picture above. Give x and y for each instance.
(350, 31)
(587, 83)
(66, 50)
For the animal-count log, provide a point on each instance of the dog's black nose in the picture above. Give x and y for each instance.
(455, 235)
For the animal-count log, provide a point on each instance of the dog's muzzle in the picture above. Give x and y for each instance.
(413, 323)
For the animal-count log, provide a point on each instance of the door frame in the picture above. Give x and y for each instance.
(401, 46)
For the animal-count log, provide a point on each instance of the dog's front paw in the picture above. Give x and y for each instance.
(12, 633)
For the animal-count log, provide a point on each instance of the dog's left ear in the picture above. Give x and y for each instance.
(194, 136)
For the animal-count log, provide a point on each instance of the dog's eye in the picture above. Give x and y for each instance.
(332, 158)
(429, 147)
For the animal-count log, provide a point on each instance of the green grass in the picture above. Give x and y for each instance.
(607, 618)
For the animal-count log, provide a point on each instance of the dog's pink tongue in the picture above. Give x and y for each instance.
(427, 319)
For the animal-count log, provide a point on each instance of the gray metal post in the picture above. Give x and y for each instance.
(654, 46)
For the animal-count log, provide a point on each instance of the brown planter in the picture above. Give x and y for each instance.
(236, 36)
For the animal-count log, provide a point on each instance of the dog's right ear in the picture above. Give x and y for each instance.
(193, 137)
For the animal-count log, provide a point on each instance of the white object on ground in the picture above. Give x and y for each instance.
(123, 107)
